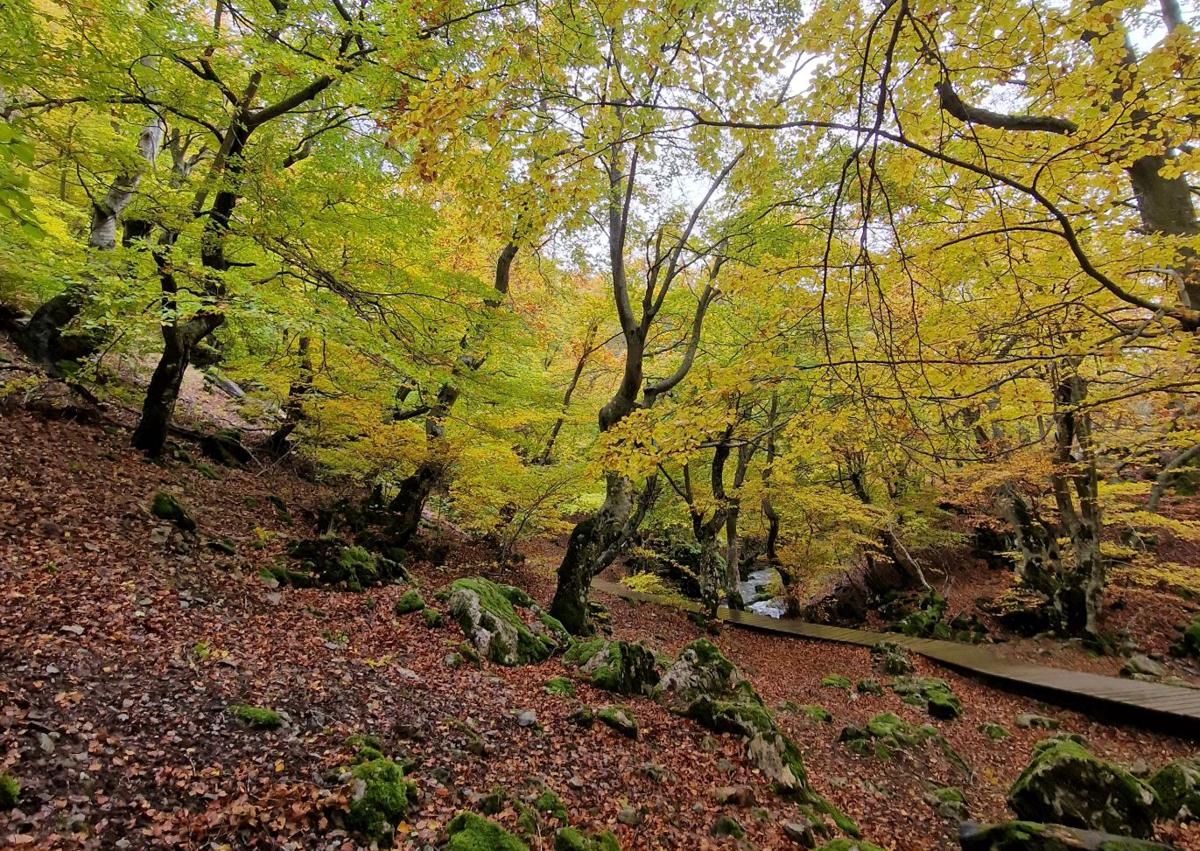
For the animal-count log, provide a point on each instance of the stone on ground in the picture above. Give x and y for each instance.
(1033, 836)
(487, 613)
(1177, 789)
(622, 667)
(470, 832)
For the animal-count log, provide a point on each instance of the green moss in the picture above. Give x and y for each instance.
(10, 791)
(949, 795)
(381, 798)
(848, 845)
(836, 681)
(727, 825)
(621, 667)
(1191, 638)
(1033, 836)
(620, 718)
(410, 602)
(548, 803)
(932, 693)
(433, 618)
(871, 687)
(560, 686)
(484, 611)
(1067, 784)
(167, 507)
(1177, 787)
(469, 832)
(993, 731)
(572, 839)
(816, 713)
(256, 716)
(581, 652)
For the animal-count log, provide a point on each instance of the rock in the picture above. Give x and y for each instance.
(334, 562)
(848, 845)
(167, 507)
(891, 658)
(738, 796)
(583, 716)
(1022, 611)
(225, 447)
(800, 832)
(727, 825)
(433, 618)
(816, 713)
(1028, 720)
(1066, 784)
(571, 839)
(925, 620)
(380, 798)
(470, 832)
(620, 719)
(1189, 644)
(993, 731)
(1141, 665)
(629, 817)
(410, 602)
(527, 718)
(1177, 789)
(484, 611)
(1031, 836)
(622, 667)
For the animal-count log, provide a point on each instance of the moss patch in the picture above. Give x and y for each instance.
(258, 717)
(167, 507)
(993, 731)
(433, 618)
(561, 686)
(930, 692)
(572, 839)
(620, 719)
(816, 713)
(469, 832)
(411, 601)
(848, 845)
(380, 798)
(1032, 836)
(1177, 789)
(836, 681)
(10, 791)
(621, 667)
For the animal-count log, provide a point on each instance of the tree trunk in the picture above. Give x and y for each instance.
(159, 405)
(293, 411)
(548, 452)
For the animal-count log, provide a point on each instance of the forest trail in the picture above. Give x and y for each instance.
(1163, 707)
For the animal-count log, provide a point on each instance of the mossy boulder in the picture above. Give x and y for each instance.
(573, 839)
(949, 802)
(1034, 836)
(891, 659)
(487, 613)
(848, 845)
(1189, 644)
(930, 692)
(1066, 784)
(331, 561)
(883, 735)
(470, 832)
(259, 717)
(433, 618)
(167, 507)
(550, 804)
(727, 825)
(622, 667)
(379, 798)
(411, 601)
(10, 791)
(620, 718)
(925, 620)
(993, 731)
(1177, 789)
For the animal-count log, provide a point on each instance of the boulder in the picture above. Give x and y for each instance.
(620, 719)
(1032, 836)
(930, 692)
(1028, 721)
(379, 798)
(225, 447)
(1177, 789)
(332, 561)
(1141, 666)
(622, 667)
(1021, 611)
(1066, 784)
(892, 659)
(1189, 644)
(486, 612)
(738, 796)
(848, 845)
(470, 832)
(950, 803)
(572, 839)
(167, 507)
(727, 825)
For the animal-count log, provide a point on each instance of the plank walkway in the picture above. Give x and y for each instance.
(1164, 708)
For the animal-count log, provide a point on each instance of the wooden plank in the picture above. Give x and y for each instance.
(1079, 689)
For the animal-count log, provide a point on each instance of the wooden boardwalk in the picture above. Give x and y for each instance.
(1164, 708)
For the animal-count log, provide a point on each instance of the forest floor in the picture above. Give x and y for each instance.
(123, 642)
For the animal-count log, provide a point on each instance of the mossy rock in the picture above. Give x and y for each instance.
(932, 693)
(334, 562)
(727, 825)
(380, 798)
(871, 687)
(993, 731)
(925, 621)
(560, 686)
(949, 802)
(549, 803)
(1189, 645)
(470, 832)
(1034, 836)
(572, 839)
(259, 717)
(1066, 784)
(1177, 789)
(836, 681)
(10, 791)
(366, 747)
(411, 601)
(486, 612)
(620, 718)
(891, 659)
(167, 507)
(621, 667)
